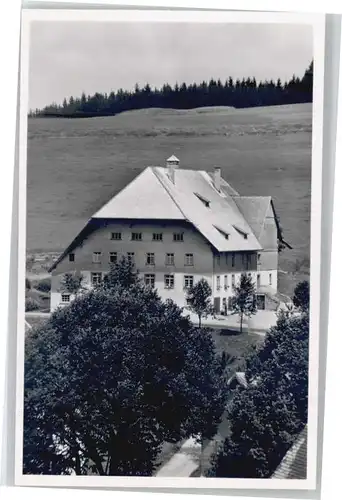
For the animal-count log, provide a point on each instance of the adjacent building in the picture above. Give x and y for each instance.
(178, 226)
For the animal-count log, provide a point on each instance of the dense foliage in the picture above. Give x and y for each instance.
(243, 93)
(111, 377)
(243, 300)
(72, 283)
(301, 296)
(199, 299)
(267, 417)
(44, 285)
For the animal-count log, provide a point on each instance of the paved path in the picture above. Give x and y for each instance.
(259, 323)
(184, 462)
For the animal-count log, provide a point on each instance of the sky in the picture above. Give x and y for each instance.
(68, 58)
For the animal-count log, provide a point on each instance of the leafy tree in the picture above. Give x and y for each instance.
(73, 283)
(111, 377)
(267, 417)
(301, 297)
(199, 299)
(44, 285)
(243, 300)
(122, 274)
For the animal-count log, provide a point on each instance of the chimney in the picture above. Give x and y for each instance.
(217, 178)
(172, 164)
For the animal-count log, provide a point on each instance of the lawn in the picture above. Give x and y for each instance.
(236, 345)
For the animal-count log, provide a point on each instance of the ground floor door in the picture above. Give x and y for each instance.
(260, 302)
(217, 304)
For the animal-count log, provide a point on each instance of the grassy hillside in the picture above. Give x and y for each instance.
(75, 166)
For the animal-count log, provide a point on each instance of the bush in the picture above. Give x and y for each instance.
(31, 304)
(44, 285)
(301, 297)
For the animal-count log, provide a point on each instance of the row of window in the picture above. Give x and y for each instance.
(149, 280)
(150, 258)
(169, 258)
(139, 236)
(169, 282)
(226, 285)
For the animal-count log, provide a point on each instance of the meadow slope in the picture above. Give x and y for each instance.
(76, 165)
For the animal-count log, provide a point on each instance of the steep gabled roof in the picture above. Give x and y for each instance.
(143, 198)
(222, 211)
(153, 195)
(254, 209)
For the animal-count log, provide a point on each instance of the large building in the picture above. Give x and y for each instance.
(178, 226)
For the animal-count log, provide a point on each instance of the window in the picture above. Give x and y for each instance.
(259, 257)
(150, 280)
(233, 259)
(130, 257)
(71, 257)
(204, 200)
(96, 278)
(170, 259)
(65, 298)
(240, 231)
(157, 237)
(233, 279)
(113, 257)
(246, 260)
(136, 236)
(115, 236)
(218, 283)
(188, 281)
(150, 259)
(270, 278)
(218, 260)
(178, 237)
(223, 232)
(97, 257)
(169, 281)
(258, 279)
(249, 260)
(226, 282)
(189, 259)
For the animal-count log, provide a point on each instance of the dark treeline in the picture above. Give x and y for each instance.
(242, 93)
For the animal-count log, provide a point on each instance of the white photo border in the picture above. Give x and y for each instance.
(317, 21)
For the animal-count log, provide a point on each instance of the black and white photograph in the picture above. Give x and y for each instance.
(169, 246)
